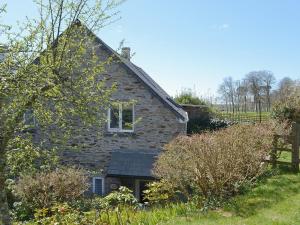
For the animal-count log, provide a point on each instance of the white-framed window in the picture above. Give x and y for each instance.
(121, 117)
(98, 185)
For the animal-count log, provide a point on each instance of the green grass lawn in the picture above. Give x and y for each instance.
(285, 157)
(276, 201)
(244, 116)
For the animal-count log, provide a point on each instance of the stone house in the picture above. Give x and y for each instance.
(143, 121)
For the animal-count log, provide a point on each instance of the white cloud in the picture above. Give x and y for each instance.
(223, 26)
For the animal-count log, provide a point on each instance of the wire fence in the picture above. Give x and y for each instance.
(244, 117)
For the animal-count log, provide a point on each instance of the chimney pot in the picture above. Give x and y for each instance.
(126, 53)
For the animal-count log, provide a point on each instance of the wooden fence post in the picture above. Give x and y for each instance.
(273, 156)
(295, 146)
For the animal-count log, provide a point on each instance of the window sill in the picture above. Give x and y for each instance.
(111, 130)
(120, 133)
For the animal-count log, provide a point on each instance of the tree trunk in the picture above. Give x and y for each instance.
(4, 212)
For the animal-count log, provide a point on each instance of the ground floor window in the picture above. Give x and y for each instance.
(98, 185)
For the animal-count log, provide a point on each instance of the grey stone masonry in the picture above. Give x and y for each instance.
(156, 123)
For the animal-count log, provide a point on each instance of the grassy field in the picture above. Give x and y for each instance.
(274, 202)
(244, 116)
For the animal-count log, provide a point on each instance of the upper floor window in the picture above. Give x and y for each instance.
(121, 117)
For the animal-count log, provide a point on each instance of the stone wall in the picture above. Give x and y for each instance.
(156, 125)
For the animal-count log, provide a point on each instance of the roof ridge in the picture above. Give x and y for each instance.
(146, 79)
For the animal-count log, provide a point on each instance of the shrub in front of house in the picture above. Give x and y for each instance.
(216, 164)
(161, 193)
(118, 207)
(45, 189)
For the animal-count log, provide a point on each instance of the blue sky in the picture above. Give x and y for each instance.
(195, 43)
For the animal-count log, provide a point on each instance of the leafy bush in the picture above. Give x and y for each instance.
(122, 197)
(161, 192)
(216, 164)
(65, 215)
(199, 125)
(116, 208)
(216, 124)
(187, 97)
(45, 189)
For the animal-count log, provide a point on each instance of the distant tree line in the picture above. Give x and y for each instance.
(254, 93)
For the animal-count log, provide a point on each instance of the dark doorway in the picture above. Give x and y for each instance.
(142, 187)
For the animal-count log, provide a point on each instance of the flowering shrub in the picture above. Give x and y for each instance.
(216, 164)
(122, 197)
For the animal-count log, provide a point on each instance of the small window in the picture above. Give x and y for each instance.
(121, 117)
(98, 185)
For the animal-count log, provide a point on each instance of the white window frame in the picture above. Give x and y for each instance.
(94, 186)
(120, 128)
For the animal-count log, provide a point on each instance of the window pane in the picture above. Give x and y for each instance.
(114, 117)
(127, 117)
(98, 186)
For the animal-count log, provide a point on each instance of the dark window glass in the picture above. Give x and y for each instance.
(98, 186)
(127, 117)
(114, 117)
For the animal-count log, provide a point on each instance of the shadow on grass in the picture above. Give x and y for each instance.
(266, 195)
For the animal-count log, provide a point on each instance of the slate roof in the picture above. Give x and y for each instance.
(146, 79)
(133, 163)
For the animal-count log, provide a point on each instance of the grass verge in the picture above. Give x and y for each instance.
(274, 202)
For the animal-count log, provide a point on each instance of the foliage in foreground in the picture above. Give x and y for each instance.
(43, 72)
(217, 164)
(24, 158)
(161, 193)
(45, 189)
(288, 108)
(65, 215)
(115, 208)
(267, 202)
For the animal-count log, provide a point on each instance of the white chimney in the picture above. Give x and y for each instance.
(126, 53)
